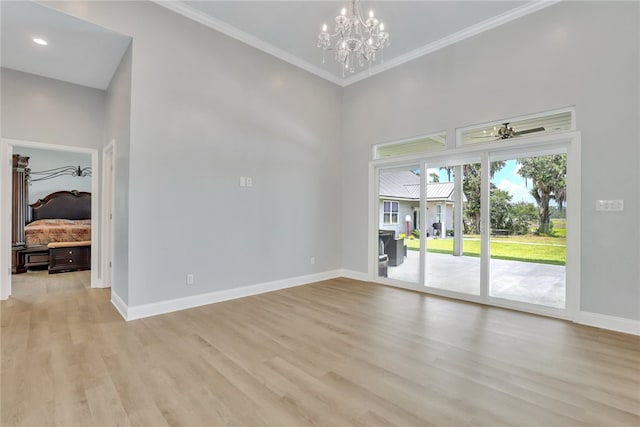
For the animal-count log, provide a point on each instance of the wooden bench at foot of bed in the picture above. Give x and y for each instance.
(69, 256)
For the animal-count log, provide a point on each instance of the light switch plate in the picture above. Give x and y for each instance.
(243, 181)
(610, 205)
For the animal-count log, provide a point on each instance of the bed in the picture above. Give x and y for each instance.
(63, 216)
(63, 219)
(59, 234)
(45, 231)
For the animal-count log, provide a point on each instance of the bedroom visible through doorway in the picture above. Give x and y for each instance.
(52, 229)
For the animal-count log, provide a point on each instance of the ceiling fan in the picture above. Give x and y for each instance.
(506, 132)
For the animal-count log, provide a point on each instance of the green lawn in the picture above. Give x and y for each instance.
(559, 227)
(529, 248)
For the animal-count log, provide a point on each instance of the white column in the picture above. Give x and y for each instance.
(443, 220)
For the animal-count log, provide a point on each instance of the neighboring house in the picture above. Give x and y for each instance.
(399, 198)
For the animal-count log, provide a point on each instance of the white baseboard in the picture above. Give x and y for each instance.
(119, 304)
(162, 307)
(613, 323)
(603, 321)
(355, 275)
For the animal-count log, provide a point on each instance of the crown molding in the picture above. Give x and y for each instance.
(231, 31)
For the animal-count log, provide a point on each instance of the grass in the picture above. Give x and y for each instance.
(559, 227)
(529, 248)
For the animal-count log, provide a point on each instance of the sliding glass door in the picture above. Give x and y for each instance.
(528, 226)
(490, 226)
(398, 218)
(452, 227)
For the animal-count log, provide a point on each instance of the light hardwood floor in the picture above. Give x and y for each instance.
(334, 353)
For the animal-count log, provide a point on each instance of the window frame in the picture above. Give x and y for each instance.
(541, 115)
(410, 140)
(390, 212)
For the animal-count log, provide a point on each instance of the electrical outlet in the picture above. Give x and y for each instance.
(189, 279)
(312, 260)
(249, 181)
(610, 205)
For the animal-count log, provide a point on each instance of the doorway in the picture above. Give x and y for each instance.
(9, 147)
(528, 227)
(453, 221)
(398, 200)
(496, 225)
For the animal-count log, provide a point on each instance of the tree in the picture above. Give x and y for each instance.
(434, 177)
(501, 209)
(548, 175)
(449, 170)
(523, 215)
(472, 189)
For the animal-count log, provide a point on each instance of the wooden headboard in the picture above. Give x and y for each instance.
(64, 205)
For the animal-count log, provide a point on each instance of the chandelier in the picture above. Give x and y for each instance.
(354, 39)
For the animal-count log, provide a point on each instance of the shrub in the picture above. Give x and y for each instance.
(523, 215)
(416, 233)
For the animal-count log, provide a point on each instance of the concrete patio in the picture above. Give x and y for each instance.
(528, 282)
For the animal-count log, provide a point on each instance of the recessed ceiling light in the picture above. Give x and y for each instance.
(41, 42)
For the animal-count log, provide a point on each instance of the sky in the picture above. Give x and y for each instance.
(507, 179)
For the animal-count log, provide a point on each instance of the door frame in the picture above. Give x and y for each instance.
(6, 151)
(108, 183)
(569, 140)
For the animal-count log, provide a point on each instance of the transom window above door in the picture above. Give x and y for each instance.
(534, 125)
(410, 146)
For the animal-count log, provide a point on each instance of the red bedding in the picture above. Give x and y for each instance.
(44, 231)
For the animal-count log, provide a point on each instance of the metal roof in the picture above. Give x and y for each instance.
(406, 185)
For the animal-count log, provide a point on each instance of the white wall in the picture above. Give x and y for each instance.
(40, 160)
(117, 131)
(61, 114)
(40, 109)
(582, 54)
(205, 110)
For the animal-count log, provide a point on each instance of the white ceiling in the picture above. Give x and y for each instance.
(85, 54)
(78, 52)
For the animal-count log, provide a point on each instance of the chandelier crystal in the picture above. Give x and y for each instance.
(354, 39)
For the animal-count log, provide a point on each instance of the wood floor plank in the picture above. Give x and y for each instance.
(333, 353)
